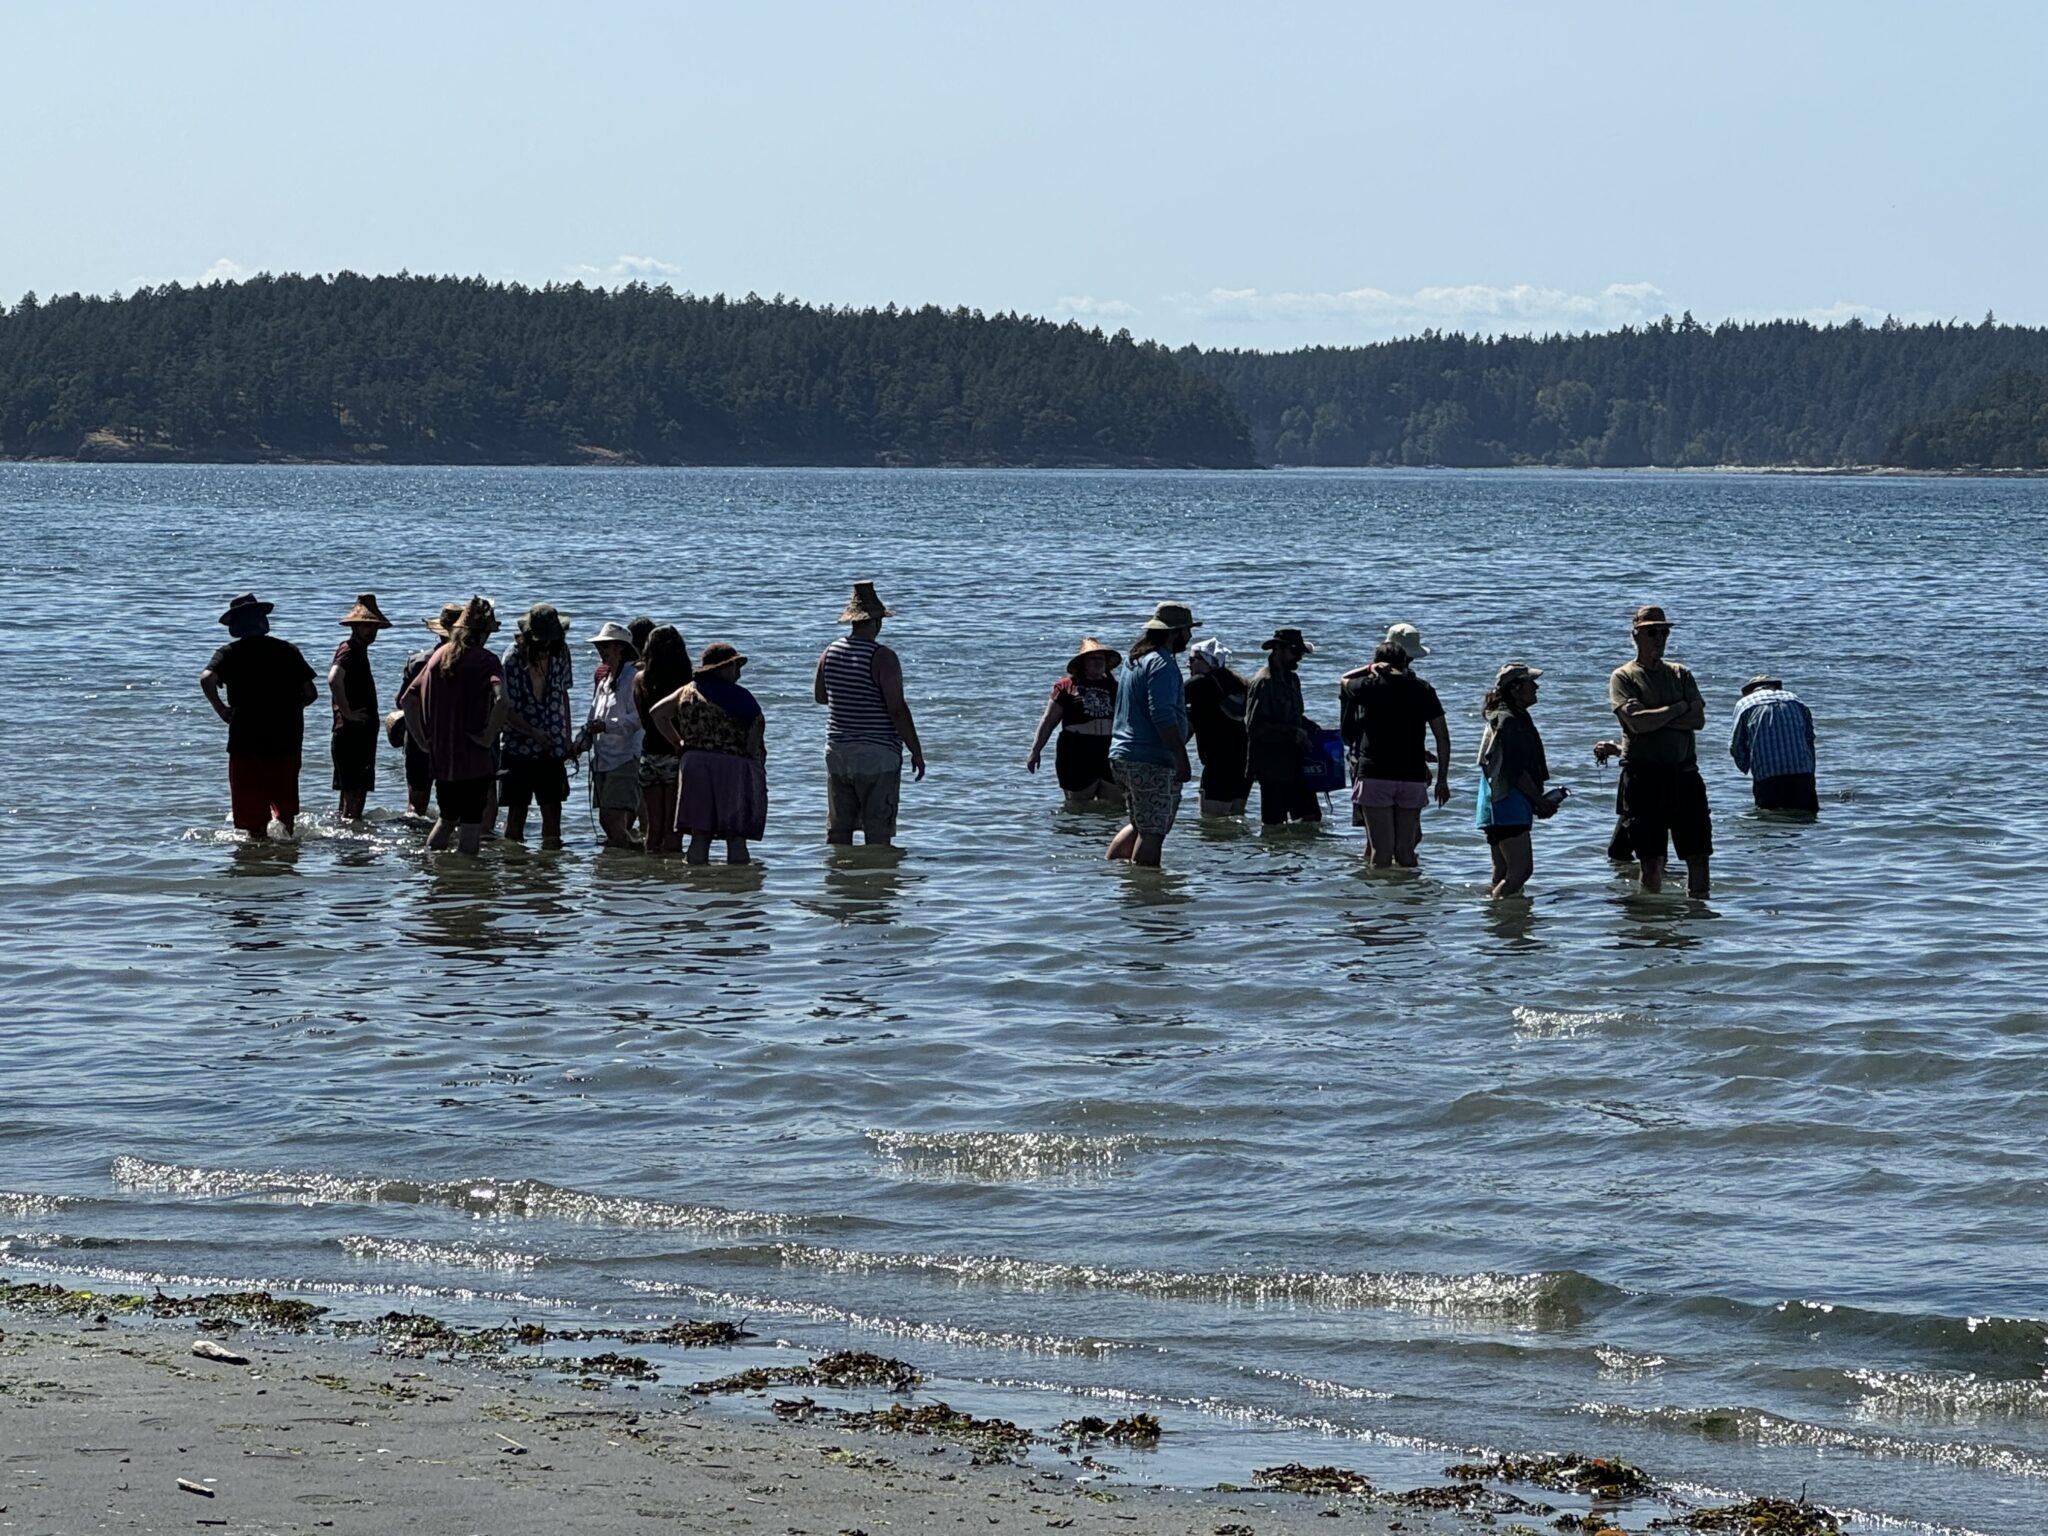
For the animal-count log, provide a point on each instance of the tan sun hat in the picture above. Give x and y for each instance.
(1172, 616)
(1409, 638)
(1093, 647)
(366, 611)
(1516, 672)
(864, 605)
(720, 653)
(444, 624)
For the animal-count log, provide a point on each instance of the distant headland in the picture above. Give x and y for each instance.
(446, 370)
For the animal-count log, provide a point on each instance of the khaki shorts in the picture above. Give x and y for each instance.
(618, 789)
(863, 783)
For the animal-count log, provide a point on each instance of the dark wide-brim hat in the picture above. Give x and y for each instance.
(864, 605)
(1168, 616)
(1291, 638)
(719, 654)
(245, 606)
(366, 611)
(1650, 617)
(1093, 647)
(544, 622)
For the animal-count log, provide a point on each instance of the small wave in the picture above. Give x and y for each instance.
(528, 1199)
(1005, 1157)
(399, 1250)
(900, 1327)
(23, 1205)
(2008, 1341)
(1321, 1388)
(1957, 1396)
(157, 1279)
(1538, 1295)
(1622, 1362)
(1561, 1023)
(1757, 1427)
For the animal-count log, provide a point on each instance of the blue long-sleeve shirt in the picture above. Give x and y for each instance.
(1149, 703)
(1773, 734)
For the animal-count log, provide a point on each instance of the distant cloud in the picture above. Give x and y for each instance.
(1084, 307)
(627, 269)
(225, 271)
(1361, 312)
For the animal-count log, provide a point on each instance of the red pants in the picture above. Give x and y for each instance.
(262, 787)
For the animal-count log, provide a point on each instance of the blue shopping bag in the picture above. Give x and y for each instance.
(1322, 762)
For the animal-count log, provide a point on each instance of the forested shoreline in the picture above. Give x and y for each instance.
(437, 370)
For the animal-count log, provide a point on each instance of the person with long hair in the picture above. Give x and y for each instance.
(1215, 698)
(456, 707)
(1387, 711)
(1512, 773)
(664, 668)
(1148, 748)
(1083, 710)
(539, 738)
(722, 788)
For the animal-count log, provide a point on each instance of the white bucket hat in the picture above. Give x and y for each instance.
(1409, 638)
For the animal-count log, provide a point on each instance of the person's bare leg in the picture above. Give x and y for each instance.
(1697, 885)
(736, 851)
(440, 834)
(515, 820)
(1147, 851)
(1124, 844)
(469, 838)
(1500, 868)
(1379, 835)
(699, 851)
(1517, 863)
(1653, 875)
(550, 824)
(1407, 836)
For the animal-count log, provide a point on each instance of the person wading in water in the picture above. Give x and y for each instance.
(867, 726)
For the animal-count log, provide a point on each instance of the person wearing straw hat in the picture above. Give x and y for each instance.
(1215, 700)
(353, 692)
(539, 738)
(868, 726)
(1662, 797)
(1772, 742)
(1277, 730)
(612, 731)
(455, 707)
(419, 765)
(1387, 710)
(1148, 747)
(268, 687)
(1083, 710)
(1512, 773)
(722, 785)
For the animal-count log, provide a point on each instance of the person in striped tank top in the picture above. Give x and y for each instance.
(867, 727)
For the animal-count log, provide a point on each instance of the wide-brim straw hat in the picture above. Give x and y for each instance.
(443, 624)
(719, 654)
(615, 634)
(1763, 680)
(864, 605)
(1093, 647)
(1172, 616)
(1291, 638)
(366, 611)
(1649, 617)
(246, 604)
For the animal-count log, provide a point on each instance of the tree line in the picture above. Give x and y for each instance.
(412, 369)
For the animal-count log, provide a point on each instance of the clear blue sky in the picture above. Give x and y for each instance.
(1260, 174)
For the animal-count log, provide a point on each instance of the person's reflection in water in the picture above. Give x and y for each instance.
(1651, 923)
(863, 884)
(463, 908)
(1147, 889)
(1512, 921)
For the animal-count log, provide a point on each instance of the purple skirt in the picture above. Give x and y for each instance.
(721, 794)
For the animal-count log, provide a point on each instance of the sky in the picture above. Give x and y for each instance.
(1268, 174)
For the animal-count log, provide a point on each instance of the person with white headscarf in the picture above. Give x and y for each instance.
(1215, 699)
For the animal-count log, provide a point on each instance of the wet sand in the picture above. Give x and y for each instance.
(98, 1425)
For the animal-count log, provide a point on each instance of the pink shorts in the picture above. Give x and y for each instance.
(1378, 794)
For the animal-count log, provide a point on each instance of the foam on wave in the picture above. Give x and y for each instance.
(1004, 1157)
(400, 1250)
(1758, 1427)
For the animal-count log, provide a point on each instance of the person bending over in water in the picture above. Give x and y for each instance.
(1083, 710)
(1512, 773)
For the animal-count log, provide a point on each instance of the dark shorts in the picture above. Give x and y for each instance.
(1666, 806)
(1283, 796)
(462, 801)
(355, 757)
(534, 778)
(1082, 762)
(1501, 832)
(1786, 792)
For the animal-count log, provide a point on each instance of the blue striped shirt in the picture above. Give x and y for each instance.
(1773, 735)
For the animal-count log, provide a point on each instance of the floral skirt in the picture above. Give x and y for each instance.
(722, 794)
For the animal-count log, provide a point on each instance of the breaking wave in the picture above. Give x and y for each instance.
(1756, 1427)
(1006, 1157)
(398, 1250)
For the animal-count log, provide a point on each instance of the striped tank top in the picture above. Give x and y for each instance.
(852, 697)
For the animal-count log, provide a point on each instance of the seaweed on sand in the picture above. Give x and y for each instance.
(847, 1368)
(1139, 1429)
(1602, 1476)
(250, 1306)
(1471, 1499)
(1760, 1517)
(995, 1439)
(1296, 1478)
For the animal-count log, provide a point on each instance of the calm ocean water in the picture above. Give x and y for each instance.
(1332, 1165)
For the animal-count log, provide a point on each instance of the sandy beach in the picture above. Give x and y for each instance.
(120, 1427)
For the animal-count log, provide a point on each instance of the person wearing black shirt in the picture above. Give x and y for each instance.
(1387, 711)
(268, 688)
(1215, 702)
(353, 691)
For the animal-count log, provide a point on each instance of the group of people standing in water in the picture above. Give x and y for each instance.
(677, 759)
